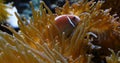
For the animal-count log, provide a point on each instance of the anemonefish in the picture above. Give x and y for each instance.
(66, 23)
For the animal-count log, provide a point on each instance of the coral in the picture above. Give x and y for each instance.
(41, 41)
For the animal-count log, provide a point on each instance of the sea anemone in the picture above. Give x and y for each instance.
(114, 4)
(114, 58)
(3, 12)
(42, 41)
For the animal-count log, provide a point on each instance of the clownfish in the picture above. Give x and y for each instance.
(66, 23)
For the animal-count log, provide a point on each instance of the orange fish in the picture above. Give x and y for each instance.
(66, 23)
